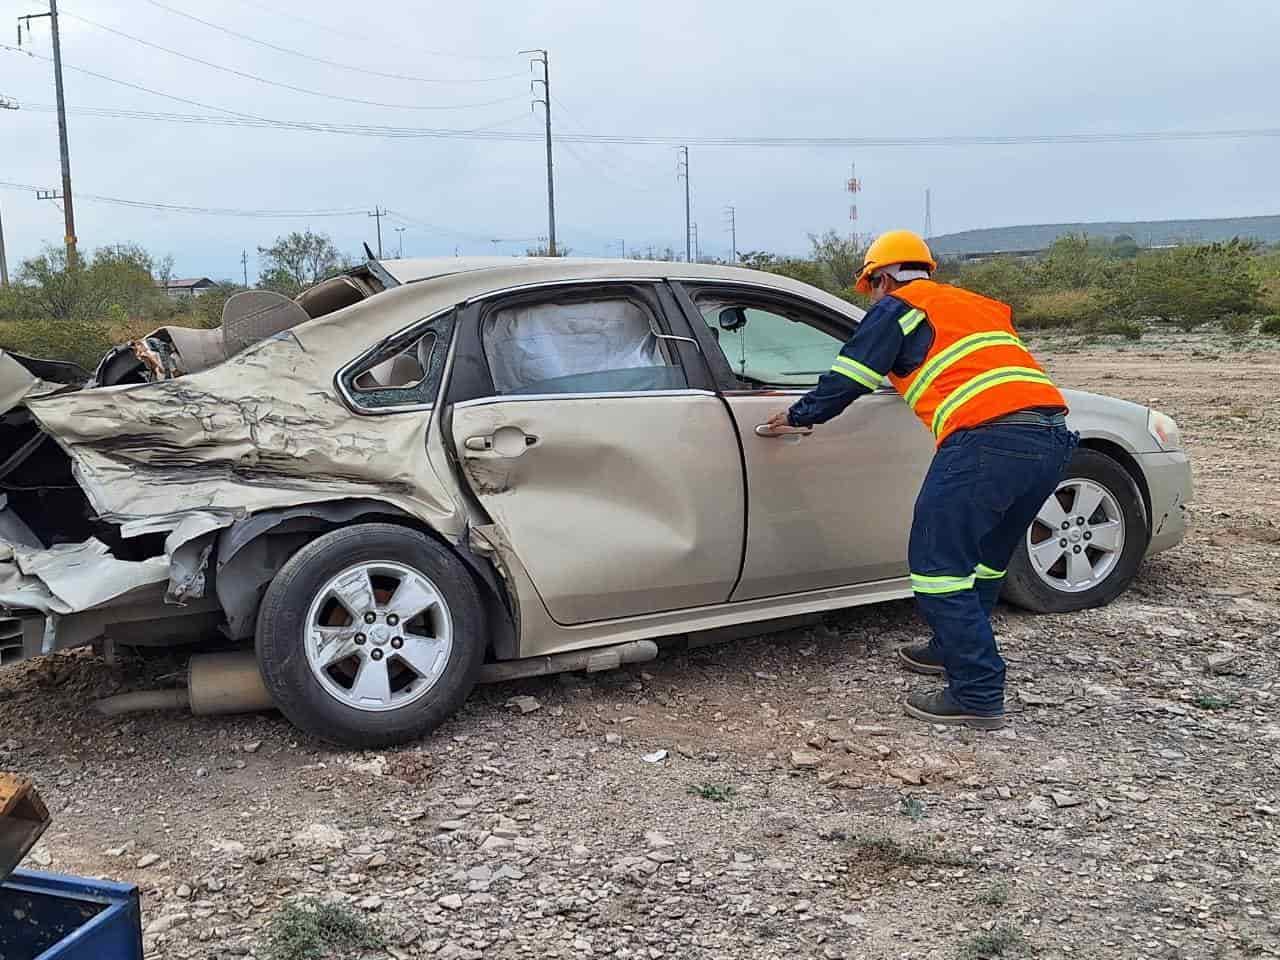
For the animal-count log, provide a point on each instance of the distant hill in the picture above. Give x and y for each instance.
(1147, 233)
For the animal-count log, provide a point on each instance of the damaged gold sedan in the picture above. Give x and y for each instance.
(428, 473)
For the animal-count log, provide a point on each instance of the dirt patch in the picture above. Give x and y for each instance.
(1131, 809)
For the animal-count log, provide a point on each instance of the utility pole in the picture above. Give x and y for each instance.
(928, 213)
(67, 210)
(378, 214)
(682, 172)
(543, 58)
(732, 213)
(244, 263)
(4, 266)
(5, 104)
(400, 255)
(697, 249)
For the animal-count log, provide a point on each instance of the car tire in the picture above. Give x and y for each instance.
(1044, 587)
(303, 622)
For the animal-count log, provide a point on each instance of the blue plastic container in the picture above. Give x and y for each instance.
(47, 916)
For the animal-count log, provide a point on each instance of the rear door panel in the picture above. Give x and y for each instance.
(621, 506)
(618, 502)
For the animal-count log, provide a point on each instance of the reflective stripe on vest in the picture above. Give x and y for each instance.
(957, 351)
(910, 320)
(982, 382)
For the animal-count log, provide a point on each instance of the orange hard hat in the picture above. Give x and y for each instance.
(896, 246)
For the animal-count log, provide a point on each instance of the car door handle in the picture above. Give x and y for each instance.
(503, 442)
(792, 436)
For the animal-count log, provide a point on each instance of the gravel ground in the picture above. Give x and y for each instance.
(765, 798)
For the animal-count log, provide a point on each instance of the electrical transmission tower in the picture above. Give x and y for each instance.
(854, 186)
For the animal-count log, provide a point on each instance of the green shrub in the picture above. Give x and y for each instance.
(80, 341)
(1270, 326)
(312, 929)
(1194, 285)
(1001, 278)
(1129, 329)
(1076, 309)
(1237, 325)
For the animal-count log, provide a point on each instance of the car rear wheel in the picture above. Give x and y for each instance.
(1085, 546)
(370, 636)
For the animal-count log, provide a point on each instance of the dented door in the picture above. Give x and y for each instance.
(616, 505)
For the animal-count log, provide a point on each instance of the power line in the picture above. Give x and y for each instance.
(488, 132)
(331, 63)
(287, 86)
(346, 33)
(206, 211)
(270, 214)
(621, 163)
(249, 121)
(465, 235)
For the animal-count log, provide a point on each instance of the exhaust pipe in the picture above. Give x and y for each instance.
(222, 683)
(592, 661)
(217, 683)
(226, 683)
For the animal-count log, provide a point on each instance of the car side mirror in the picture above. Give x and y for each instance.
(732, 318)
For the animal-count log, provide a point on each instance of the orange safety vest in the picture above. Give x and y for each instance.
(977, 369)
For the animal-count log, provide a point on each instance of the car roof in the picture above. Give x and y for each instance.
(507, 271)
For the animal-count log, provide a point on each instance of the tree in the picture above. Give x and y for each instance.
(839, 257)
(299, 260)
(806, 271)
(542, 249)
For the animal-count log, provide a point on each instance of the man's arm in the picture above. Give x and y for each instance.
(859, 368)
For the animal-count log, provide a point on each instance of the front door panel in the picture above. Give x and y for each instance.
(832, 508)
(616, 505)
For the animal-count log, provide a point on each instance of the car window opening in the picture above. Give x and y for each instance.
(582, 346)
(766, 347)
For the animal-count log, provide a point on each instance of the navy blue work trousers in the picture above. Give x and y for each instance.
(981, 493)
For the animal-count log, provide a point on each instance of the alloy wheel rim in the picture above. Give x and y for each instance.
(378, 636)
(1077, 538)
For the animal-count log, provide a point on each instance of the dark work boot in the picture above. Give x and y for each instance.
(937, 707)
(921, 658)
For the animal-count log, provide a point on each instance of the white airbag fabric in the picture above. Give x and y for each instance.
(529, 344)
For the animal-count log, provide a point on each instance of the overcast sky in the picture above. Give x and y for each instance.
(686, 69)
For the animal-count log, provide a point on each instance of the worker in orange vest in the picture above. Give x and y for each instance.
(999, 424)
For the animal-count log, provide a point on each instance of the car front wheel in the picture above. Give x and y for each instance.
(1085, 546)
(370, 636)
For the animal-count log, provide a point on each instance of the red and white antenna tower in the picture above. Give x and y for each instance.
(854, 186)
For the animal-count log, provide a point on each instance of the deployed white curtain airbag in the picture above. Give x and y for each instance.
(529, 344)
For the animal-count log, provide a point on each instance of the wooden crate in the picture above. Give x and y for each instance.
(23, 818)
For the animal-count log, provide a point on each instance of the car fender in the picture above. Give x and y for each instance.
(251, 551)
